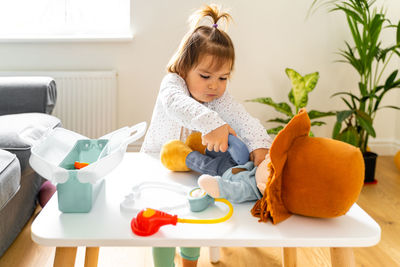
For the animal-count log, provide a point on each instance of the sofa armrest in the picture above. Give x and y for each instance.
(27, 94)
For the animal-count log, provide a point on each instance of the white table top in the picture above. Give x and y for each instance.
(107, 225)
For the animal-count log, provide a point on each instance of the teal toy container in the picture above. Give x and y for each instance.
(54, 155)
(74, 196)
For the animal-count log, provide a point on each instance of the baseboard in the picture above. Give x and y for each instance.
(385, 147)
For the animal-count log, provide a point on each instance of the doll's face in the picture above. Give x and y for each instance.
(205, 82)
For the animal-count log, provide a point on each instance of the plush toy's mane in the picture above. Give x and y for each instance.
(271, 205)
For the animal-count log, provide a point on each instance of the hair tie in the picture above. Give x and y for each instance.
(215, 25)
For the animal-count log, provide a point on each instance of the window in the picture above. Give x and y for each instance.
(32, 19)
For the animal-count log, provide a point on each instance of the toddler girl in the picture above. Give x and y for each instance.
(193, 97)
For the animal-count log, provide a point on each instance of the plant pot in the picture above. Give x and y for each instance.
(370, 163)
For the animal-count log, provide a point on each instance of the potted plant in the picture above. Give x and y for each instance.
(370, 59)
(298, 96)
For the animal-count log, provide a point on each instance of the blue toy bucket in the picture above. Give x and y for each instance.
(53, 158)
(74, 196)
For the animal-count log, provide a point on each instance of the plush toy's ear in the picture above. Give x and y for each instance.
(173, 155)
(194, 142)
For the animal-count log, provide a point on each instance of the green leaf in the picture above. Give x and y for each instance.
(275, 130)
(390, 79)
(310, 81)
(366, 122)
(350, 136)
(280, 120)
(342, 115)
(317, 123)
(301, 86)
(297, 92)
(394, 107)
(398, 33)
(280, 107)
(311, 134)
(291, 97)
(347, 93)
(347, 103)
(336, 130)
(378, 88)
(313, 114)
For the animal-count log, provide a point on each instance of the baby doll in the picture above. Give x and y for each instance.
(238, 184)
(222, 176)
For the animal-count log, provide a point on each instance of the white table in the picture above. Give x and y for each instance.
(106, 225)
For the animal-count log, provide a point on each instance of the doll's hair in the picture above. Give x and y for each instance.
(204, 40)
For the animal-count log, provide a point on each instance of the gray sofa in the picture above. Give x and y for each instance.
(25, 107)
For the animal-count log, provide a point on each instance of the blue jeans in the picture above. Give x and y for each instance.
(211, 163)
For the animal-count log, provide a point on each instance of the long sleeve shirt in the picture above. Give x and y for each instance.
(176, 114)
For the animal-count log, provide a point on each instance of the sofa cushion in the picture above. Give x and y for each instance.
(10, 176)
(18, 132)
(27, 94)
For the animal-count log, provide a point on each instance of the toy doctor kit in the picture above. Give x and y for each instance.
(57, 154)
(148, 221)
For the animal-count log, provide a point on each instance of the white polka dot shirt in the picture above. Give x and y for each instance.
(176, 114)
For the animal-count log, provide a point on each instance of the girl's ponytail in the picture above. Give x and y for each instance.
(212, 11)
(204, 39)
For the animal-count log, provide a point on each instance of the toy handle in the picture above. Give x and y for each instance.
(140, 129)
(238, 150)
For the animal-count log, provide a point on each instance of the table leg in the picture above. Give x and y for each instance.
(91, 256)
(289, 257)
(343, 257)
(214, 254)
(65, 257)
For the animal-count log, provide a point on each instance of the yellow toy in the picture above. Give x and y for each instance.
(173, 154)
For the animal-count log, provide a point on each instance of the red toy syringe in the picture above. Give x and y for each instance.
(148, 221)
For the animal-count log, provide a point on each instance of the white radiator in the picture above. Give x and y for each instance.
(86, 100)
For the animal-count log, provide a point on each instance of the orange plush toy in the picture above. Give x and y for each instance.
(310, 176)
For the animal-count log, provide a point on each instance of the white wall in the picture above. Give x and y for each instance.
(268, 36)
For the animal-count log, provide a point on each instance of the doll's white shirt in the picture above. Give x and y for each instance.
(176, 114)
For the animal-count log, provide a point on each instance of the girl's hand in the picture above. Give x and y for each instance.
(258, 155)
(217, 139)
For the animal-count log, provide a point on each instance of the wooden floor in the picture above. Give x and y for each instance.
(381, 201)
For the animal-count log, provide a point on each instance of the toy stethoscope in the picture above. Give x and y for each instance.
(148, 221)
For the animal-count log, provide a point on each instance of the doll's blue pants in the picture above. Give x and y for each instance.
(164, 257)
(211, 163)
(239, 187)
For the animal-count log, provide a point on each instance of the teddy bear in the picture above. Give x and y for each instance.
(309, 176)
